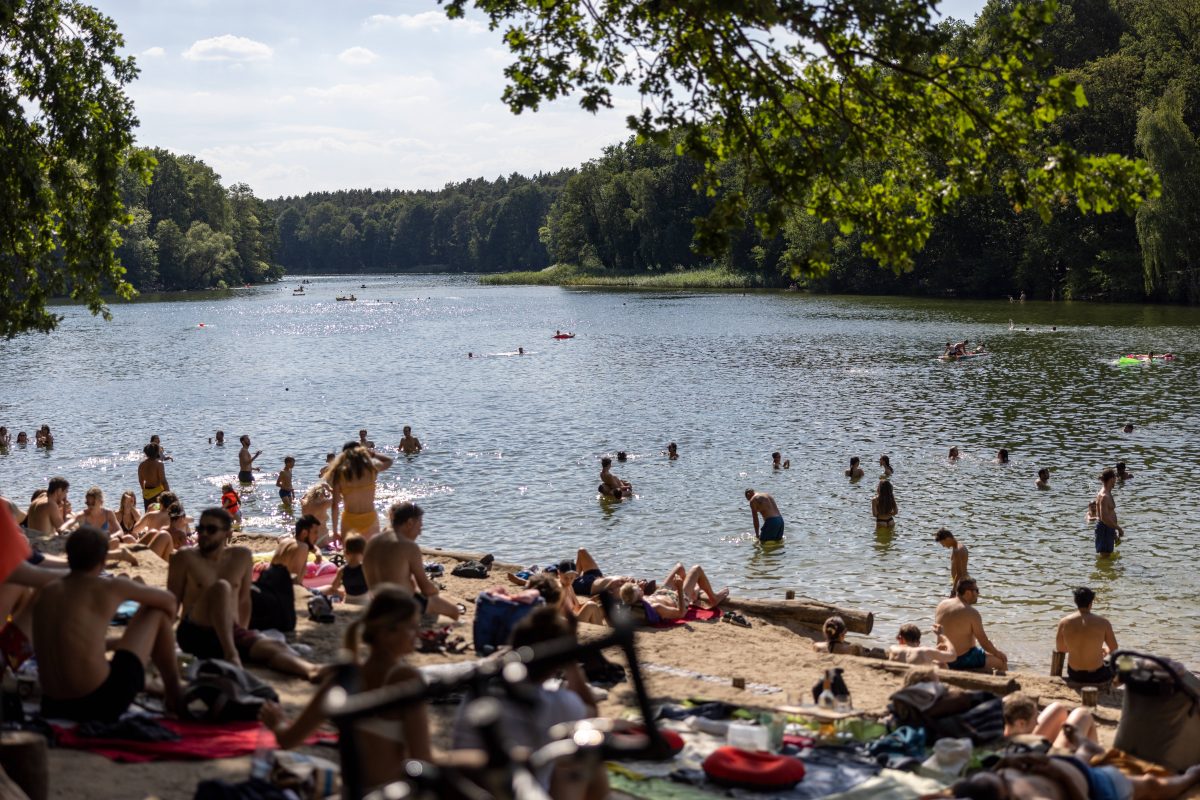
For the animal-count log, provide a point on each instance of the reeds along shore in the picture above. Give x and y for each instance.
(569, 275)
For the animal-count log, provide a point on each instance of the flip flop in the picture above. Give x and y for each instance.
(736, 618)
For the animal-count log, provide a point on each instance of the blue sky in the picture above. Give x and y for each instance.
(292, 96)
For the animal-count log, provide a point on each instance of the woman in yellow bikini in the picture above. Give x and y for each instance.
(352, 475)
(152, 475)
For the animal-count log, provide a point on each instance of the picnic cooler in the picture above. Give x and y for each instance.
(1160, 716)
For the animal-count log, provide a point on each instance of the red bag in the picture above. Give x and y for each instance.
(743, 769)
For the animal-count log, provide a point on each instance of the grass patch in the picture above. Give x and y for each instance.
(568, 275)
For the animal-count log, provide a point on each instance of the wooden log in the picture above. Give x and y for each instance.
(808, 612)
(464, 555)
(23, 760)
(975, 681)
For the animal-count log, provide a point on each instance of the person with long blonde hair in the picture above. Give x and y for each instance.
(128, 515)
(352, 476)
(388, 630)
(316, 501)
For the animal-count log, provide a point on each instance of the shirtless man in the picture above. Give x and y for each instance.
(70, 622)
(1122, 473)
(958, 556)
(1043, 481)
(1087, 639)
(212, 583)
(762, 504)
(362, 439)
(964, 627)
(855, 472)
(5, 437)
(778, 462)
(152, 475)
(908, 649)
(156, 440)
(246, 461)
(293, 553)
(1108, 532)
(46, 512)
(394, 557)
(610, 484)
(409, 445)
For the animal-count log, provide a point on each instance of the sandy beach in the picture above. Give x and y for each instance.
(699, 659)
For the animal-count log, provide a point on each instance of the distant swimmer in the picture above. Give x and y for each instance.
(1002, 456)
(246, 461)
(958, 556)
(152, 475)
(1091, 515)
(22, 438)
(162, 453)
(1043, 479)
(409, 445)
(855, 472)
(1128, 428)
(622, 455)
(362, 439)
(953, 454)
(1122, 473)
(1108, 531)
(284, 481)
(610, 484)
(886, 463)
(883, 505)
(520, 351)
(672, 451)
(470, 355)
(220, 439)
(778, 462)
(762, 504)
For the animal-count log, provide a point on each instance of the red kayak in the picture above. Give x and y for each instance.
(563, 336)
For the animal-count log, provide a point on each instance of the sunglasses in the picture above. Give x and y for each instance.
(209, 528)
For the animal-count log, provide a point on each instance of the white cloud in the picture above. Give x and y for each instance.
(396, 89)
(425, 21)
(228, 48)
(357, 56)
(154, 52)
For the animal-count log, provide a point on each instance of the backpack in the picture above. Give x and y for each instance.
(470, 569)
(495, 617)
(273, 600)
(218, 691)
(978, 716)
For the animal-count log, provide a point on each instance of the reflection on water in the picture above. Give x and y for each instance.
(513, 442)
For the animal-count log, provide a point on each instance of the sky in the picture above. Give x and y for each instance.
(294, 96)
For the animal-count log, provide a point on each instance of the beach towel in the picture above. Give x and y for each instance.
(198, 741)
(694, 614)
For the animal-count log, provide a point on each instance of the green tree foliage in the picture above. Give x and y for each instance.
(803, 94)
(473, 226)
(66, 127)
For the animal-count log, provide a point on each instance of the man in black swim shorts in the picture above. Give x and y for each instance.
(70, 625)
(590, 581)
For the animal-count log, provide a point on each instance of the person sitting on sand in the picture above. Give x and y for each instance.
(46, 511)
(883, 505)
(152, 475)
(778, 462)
(679, 592)
(908, 649)
(835, 639)
(763, 505)
(855, 472)
(70, 625)
(101, 518)
(610, 484)
(388, 628)
(1087, 639)
(1021, 718)
(212, 583)
(409, 445)
(352, 477)
(1122, 473)
(1043, 479)
(963, 626)
(294, 551)
(958, 556)
(394, 557)
(350, 584)
(128, 516)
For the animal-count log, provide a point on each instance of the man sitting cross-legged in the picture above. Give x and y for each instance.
(70, 623)
(212, 583)
(394, 557)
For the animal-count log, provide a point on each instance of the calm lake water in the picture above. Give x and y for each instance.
(512, 442)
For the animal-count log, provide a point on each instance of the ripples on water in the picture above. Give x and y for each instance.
(512, 441)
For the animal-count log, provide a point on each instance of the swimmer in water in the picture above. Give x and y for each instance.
(621, 456)
(284, 481)
(409, 445)
(1128, 428)
(778, 463)
(520, 351)
(1002, 456)
(886, 463)
(953, 454)
(883, 505)
(1122, 473)
(1043, 480)
(470, 355)
(672, 451)
(610, 484)
(855, 472)
(763, 505)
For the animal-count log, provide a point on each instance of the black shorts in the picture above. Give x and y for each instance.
(245, 476)
(1097, 676)
(126, 677)
(202, 642)
(583, 583)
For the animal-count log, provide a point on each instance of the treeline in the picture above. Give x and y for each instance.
(190, 232)
(1139, 63)
(473, 226)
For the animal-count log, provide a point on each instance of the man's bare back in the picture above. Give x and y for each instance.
(1083, 636)
(394, 559)
(764, 504)
(41, 515)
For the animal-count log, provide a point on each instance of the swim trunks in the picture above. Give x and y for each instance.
(652, 616)
(363, 522)
(771, 530)
(1106, 538)
(245, 476)
(1103, 783)
(149, 493)
(286, 494)
(202, 641)
(583, 583)
(353, 580)
(972, 659)
(126, 677)
(1102, 675)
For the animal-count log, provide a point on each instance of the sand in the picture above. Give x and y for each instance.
(767, 656)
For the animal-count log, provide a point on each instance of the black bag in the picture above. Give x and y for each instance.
(218, 691)
(273, 600)
(1160, 714)
(978, 716)
(470, 569)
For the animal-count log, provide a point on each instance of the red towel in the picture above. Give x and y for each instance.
(198, 741)
(14, 547)
(694, 614)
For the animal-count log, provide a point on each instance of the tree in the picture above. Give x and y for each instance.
(804, 93)
(66, 132)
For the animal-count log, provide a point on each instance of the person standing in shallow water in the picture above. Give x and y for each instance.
(409, 445)
(762, 504)
(246, 461)
(883, 505)
(1108, 532)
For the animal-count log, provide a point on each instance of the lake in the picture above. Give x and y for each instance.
(512, 442)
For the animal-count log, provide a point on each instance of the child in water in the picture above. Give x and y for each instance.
(231, 503)
(284, 482)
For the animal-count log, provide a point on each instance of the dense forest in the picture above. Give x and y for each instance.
(631, 210)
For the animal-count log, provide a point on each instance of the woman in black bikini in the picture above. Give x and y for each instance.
(128, 516)
(883, 505)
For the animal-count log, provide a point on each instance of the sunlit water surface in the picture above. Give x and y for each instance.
(512, 442)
